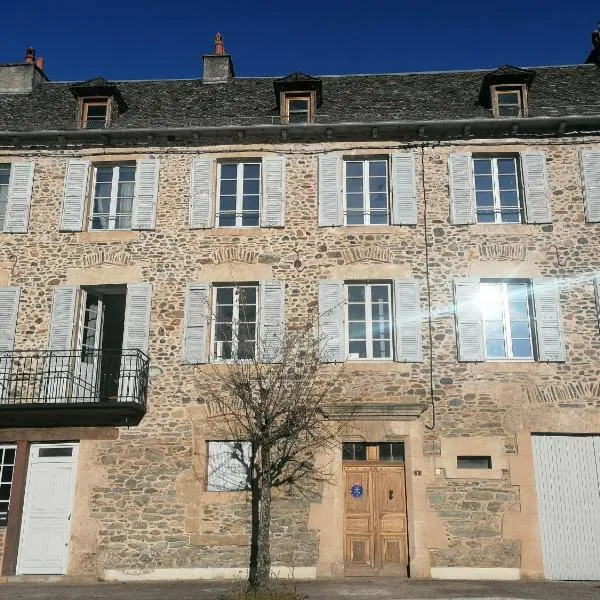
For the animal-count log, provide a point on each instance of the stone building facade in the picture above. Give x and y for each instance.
(474, 435)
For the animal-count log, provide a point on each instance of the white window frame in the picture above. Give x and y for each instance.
(366, 190)
(2, 466)
(239, 192)
(506, 321)
(112, 215)
(4, 166)
(368, 319)
(236, 474)
(234, 321)
(497, 207)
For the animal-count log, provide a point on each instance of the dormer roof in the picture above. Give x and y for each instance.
(504, 75)
(298, 82)
(100, 87)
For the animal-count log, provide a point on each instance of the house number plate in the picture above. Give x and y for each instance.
(357, 491)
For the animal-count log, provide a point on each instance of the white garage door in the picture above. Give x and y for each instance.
(567, 475)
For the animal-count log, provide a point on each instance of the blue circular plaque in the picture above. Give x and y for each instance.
(357, 491)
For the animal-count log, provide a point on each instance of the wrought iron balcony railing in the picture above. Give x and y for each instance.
(49, 387)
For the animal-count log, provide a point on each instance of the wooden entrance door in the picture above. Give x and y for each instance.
(375, 539)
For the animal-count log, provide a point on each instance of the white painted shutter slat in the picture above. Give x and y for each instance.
(404, 191)
(548, 320)
(469, 320)
(330, 207)
(137, 316)
(407, 310)
(9, 307)
(196, 323)
(273, 205)
(535, 187)
(272, 321)
(331, 324)
(590, 178)
(19, 197)
(62, 318)
(462, 193)
(201, 196)
(74, 196)
(146, 194)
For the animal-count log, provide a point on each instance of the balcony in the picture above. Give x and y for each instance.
(85, 388)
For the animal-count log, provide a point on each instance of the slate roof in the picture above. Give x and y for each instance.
(346, 99)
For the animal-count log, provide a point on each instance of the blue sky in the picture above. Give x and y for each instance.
(133, 39)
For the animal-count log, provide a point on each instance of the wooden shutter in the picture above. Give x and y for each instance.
(469, 320)
(137, 316)
(548, 320)
(9, 307)
(590, 178)
(196, 323)
(19, 197)
(62, 318)
(404, 191)
(535, 187)
(331, 324)
(273, 204)
(407, 327)
(75, 192)
(201, 196)
(272, 321)
(462, 193)
(330, 206)
(146, 194)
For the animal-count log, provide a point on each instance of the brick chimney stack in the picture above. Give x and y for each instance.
(219, 47)
(29, 56)
(39, 63)
(218, 67)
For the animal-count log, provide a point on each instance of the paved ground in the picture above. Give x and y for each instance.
(355, 589)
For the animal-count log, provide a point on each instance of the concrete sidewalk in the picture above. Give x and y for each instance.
(353, 588)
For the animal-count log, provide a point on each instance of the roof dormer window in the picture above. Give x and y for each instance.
(298, 109)
(94, 113)
(298, 96)
(509, 100)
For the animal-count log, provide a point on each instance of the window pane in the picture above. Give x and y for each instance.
(355, 201)
(378, 201)
(347, 451)
(495, 349)
(521, 349)
(508, 97)
(507, 182)
(385, 451)
(224, 313)
(4, 174)
(228, 171)
(485, 217)
(356, 312)
(381, 329)
(247, 294)
(379, 218)
(509, 198)
(379, 293)
(506, 166)
(358, 349)
(518, 311)
(494, 330)
(381, 349)
(250, 219)
(511, 216)
(482, 166)
(227, 220)
(357, 331)
(484, 199)
(100, 223)
(378, 168)
(252, 186)
(398, 451)
(104, 174)
(354, 169)
(250, 203)
(225, 295)
(6, 476)
(227, 203)
(355, 218)
(484, 182)
(353, 185)
(356, 293)
(251, 171)
(228, 187)
(509, 111)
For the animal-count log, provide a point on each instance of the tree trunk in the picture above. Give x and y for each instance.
(260, 576)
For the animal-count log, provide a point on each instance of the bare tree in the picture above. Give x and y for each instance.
(271, 401)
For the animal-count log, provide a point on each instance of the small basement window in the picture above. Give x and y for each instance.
(94, 113)
(474, 462)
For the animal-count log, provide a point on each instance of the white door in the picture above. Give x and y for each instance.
(87, 365)
(567, 475)
(46, 523)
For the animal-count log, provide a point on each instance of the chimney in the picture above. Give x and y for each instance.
(594, 57)
(30, 56)
(39, 63)
(218, 67)
(22, 77)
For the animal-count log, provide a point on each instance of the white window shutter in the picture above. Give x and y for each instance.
(548, 320)
(196, 322)
(462, 191)
(273, 203)
(137, 316)
(590, 178)
(146, 194)
(9, 307)
(74, 196)
(272, 321)
(201, 195)
(330, 206)
(535, 187)
(19, 197)
(331, 321)
(404, 190)
(407, 326)
(469, 320)
(62, 316)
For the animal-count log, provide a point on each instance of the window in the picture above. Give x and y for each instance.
(112, 202)
(7, 465)
(366, 192)
(497, 189)
(474, 462)
(228, 466)
(239, 194)
(507, 322)
(298, 109)
(508, 101)
(94, 113)
(235, 322)
(4, 181)
(368, 321)
(379, 451)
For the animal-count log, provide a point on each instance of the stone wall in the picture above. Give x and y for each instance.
(2, 537)
(148, 499)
